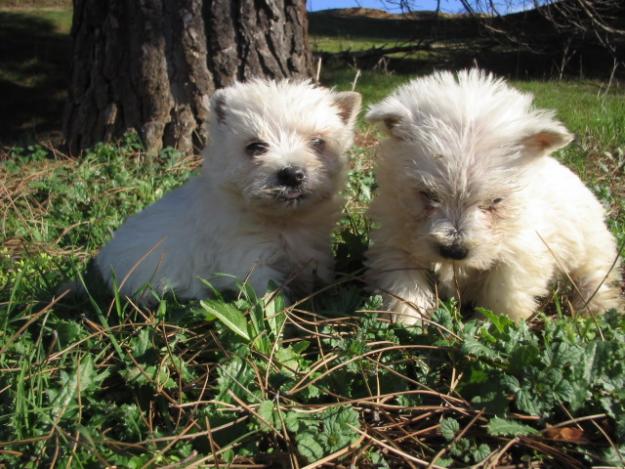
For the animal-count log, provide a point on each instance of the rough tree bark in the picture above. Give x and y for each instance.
(151, 65)
(137, 65)
(250, 38)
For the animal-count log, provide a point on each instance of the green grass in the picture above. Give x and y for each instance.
(35, 51)
(372, 85)
(60, 18)
(103, 382)
(333, 44)
(94, 383)
(597, 118)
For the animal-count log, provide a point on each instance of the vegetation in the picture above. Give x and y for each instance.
(105, 382)
(35, 51)
(238, 381)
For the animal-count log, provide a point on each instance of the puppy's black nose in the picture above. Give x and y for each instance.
(291, 176)
(453, 251)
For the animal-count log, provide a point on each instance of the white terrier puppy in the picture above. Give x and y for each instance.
(262, 208)
(471, 206)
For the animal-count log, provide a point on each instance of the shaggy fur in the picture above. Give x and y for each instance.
(262, 208)
(470, 204)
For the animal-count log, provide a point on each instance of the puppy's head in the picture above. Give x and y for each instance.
(281, 146)
(459, 150)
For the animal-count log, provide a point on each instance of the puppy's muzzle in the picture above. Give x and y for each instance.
(291, 176)
(455, 251)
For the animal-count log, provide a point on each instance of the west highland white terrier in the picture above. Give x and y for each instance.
(262, 208)
(470, 204)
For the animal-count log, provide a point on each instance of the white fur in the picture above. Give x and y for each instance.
(234, 221)
(457, 144)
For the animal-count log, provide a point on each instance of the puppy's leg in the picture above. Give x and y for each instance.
(598, 279)
(312, 274)
(260, 277)
(512, 289)
(407, 289)
(324, 270)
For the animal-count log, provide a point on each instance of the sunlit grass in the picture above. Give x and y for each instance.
(256, 383)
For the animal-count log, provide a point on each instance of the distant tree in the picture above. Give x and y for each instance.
(599, 20)
(558, 27)
(151, 65)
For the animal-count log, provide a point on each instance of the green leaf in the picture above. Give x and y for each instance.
(141, 343)
(531, 402)
(449, 427)
(460, 449)
(503, 427)
(132, 421)
(487, 390)
(68, 331)
(274, 313)
(268, 416)
(289, 359)
(480, 452)
(614, 456)
(312, 392)
(81, 380)
(149, 375)
(234, 375)
(291, 420)
(301, 346)
(338, 428)
(500, 321)
(309, 447)
(228, 315)
(473, 346)
(377, 459)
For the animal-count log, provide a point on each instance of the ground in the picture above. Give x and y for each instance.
(248, 382)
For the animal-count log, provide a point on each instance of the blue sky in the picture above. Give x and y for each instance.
(451, 6)
(314, 5)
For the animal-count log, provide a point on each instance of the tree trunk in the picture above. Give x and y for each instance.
(257, 38)
(151, 65)
(137, 65)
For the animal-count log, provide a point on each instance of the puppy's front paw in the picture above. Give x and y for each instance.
(410, 312)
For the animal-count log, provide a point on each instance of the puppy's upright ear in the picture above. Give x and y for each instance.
(545, 136)
(392, 116)
(348, 103)
(218, 106)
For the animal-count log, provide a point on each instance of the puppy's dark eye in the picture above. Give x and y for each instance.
(318, 144)
(492, 206)
(430, 197)
(256, 148)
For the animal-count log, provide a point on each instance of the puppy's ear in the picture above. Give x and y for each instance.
(392, 116)
(218, 106)
(545, 137)
(348, 103)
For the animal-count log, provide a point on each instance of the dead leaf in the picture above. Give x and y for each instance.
(567, 434)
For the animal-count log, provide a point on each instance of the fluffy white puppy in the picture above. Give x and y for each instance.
(262, 208)
(471, 206)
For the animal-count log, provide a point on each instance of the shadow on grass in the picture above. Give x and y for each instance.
(446, 43)
(425, 25)
(34, 68)
(458, 41)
